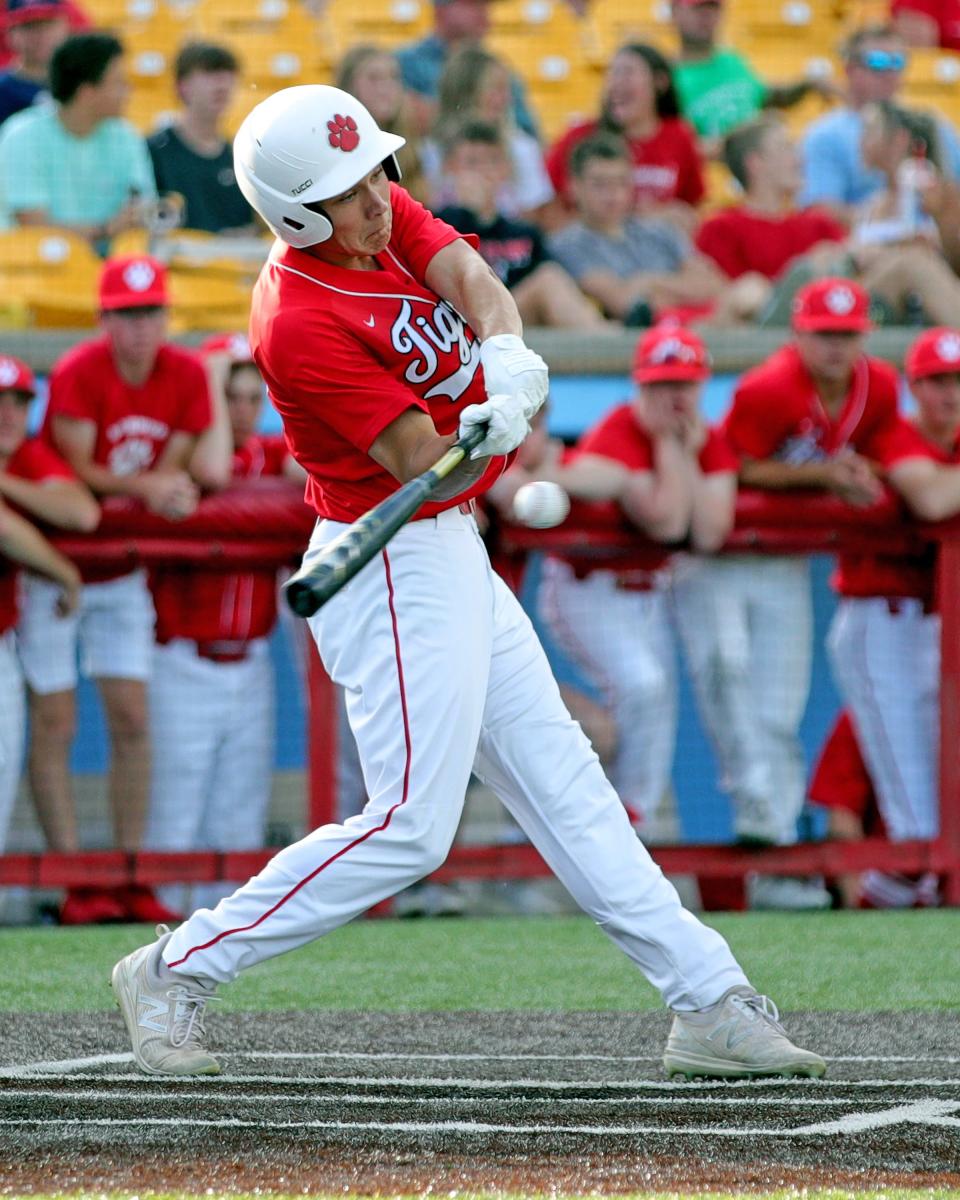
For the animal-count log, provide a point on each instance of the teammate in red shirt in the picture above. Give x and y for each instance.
(885, 638)
(125, 411)
(212, 685)
(676, 477)
(380, 333)
(811, 416)
(37, 482)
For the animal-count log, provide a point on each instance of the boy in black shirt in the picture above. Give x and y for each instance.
(478, 164)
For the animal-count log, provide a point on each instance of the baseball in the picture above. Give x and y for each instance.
(541, 505)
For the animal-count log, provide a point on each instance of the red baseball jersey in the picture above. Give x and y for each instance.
(897, 575)
(740, 240)
(213, 606)
(345, 352)
(620, 436)
(776, 412)
(133, 424)
(34, 461)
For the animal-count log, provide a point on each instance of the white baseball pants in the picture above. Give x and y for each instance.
(443, 672)
(212, 732)
(114, 627)
(623, 641)
(12, 729)
(746, 623)
(887, 667)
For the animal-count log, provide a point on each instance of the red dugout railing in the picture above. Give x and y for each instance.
(266, 522)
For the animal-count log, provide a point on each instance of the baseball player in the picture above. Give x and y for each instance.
(613, 618)
(125, 411)
(809, 417)
(884, 642)
(211, 688)
(35, 481)
(382, 335)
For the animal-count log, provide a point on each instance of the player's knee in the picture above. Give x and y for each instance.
(128, 722)
(53, 720)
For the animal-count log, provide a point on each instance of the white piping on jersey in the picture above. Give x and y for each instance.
(405, 269)
(433, 301)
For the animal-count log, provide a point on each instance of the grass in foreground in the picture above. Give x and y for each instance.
(824, 961)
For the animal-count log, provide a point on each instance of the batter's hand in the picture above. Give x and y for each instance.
(505, 421)
(511, 369)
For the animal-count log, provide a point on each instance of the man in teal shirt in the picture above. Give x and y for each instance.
(718, 89)
(76, 163)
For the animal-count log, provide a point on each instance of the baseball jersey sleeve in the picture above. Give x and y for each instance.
(619, 438)
(417, 234)
(73, 391)
(899, 442)
(36, 461)
(751, 428)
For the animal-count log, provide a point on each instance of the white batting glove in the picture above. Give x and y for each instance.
(505, 422)
(511, 369)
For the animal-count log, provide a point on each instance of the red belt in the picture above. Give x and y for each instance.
(898, 604)
(224, 651)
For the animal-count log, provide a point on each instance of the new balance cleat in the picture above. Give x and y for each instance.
(739, 1037)
(164, 1016)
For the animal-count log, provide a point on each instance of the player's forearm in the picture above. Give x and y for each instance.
(661, 501)
(777, 476)
(590, 478)
(66, 505)
(461, 277)
(712, 511)
(932, 498)
(22, 542)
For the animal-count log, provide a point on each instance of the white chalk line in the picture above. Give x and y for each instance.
(926, 1112)
(111, 1096)
(415, 1081)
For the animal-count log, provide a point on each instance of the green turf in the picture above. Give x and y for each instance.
(827, 961)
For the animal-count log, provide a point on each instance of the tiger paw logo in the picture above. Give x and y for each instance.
(343, 133)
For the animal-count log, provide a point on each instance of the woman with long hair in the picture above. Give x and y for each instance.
(476, 84)
(903, 144)
(372, 74)
(640, 104)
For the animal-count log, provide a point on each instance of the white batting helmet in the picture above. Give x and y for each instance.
(306, 144)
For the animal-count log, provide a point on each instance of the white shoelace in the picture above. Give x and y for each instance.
(757, 1006)
(188, 1029)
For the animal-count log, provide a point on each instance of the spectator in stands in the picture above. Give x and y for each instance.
(212, 687)
(928, 22)
(811, 416)
(782, 247)
(718, 88)
(884, 642)
(34, 29)
(192, 157)
(655, 468)
(455, 23)
(477, 164)
(37, 482)
(476, 84)
(77, 163)
(632, 266)
(835, 174)
(640, 105)
(125, 411)
(372, 74)
(77, 22)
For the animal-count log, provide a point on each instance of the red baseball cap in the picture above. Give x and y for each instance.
(21, 12)
(669, 352)
(234, 345)
(134, 281)
(16, 376)
(935, 352)
(832, 304)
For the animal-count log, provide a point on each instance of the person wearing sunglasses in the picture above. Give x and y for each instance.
(835, 174)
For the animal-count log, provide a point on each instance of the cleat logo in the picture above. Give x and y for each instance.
(734, 1031)
(151, 1018)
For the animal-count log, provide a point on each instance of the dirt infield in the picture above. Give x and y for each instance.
(386, 1102)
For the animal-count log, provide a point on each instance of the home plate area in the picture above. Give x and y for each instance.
(410, 1096)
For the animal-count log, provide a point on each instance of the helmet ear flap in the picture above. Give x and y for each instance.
(323, 225)
(392, 168)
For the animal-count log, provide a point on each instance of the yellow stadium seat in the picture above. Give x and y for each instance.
(206, 303)
(932, 73)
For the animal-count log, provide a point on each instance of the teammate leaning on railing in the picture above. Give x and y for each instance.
(383, 336)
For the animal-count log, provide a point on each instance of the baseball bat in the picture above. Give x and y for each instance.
(312, 586)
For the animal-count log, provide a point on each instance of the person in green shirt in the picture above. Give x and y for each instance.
(77, 163)
(718, 89)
